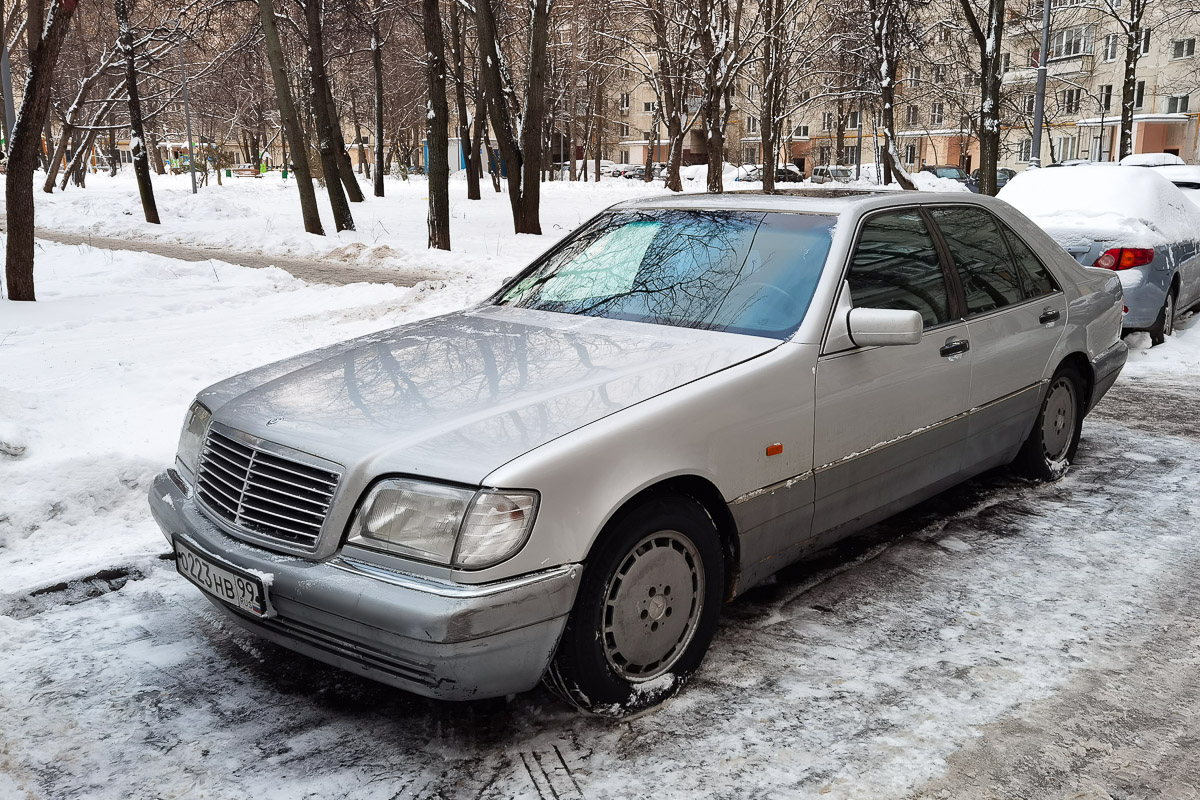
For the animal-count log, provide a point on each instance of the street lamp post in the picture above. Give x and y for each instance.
(1039, 97)
(187, 115)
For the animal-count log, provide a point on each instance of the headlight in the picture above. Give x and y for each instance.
(191, 438)
(443, 524)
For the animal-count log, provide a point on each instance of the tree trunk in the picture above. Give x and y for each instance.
(437, 127)
(156, 155)
(45, 44)
(297, 148)
(340, 150)
(715, 137)
(1129, 87)
(323, 118)
(522, 152)
(377, 69)
(766, 121)
(467, 132)
(137, 135)
(474, 162)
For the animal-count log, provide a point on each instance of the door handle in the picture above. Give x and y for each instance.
(1049, 315)
(954, 347)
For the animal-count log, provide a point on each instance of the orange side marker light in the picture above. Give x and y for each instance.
(774, 449)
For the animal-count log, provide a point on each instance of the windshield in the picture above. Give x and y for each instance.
(950, 172)
(734, 271)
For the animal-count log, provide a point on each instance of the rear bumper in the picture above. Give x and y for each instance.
(1145, 299)
(435, 638)
(1106, 367)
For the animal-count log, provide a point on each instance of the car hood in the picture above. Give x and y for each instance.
(457, 396)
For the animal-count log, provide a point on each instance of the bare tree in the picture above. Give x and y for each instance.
(891, 31)
(45, 35)
(517, 120)
(437, 125)
(137, 135)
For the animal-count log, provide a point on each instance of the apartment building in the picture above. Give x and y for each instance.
(937, 97)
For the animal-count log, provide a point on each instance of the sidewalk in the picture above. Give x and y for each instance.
(326, 271)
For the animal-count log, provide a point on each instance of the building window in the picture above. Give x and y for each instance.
(943, 34)
(1183, 48)
(825, 153)
(648, 107)
(937, 114)
(624, 130)
(914, 73)
(1033, 56)
(1177, 104)
(751, 125)
(851, 152)
(852, 121)
(910, 154)
(939, 74)
(800, 131)
(1070, 101)
(827, 121)
(1106, 97)
(912, 116)
(1068, 148)
(624, 156)
(1071, 42)
(646, 135)
(751, 93)
(1005, 62)
(1139, 95)
(624, 101)
(1111, 44)
(1145, 44)
(1024, 150)
(1028, 102)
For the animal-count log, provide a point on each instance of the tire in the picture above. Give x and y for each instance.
(646, 611)
(1164, 326)
(1051, 446)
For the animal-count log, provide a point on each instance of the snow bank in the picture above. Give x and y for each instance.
(1080, 205)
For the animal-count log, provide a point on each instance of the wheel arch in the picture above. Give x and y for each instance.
(708, 496)
(1083, 365)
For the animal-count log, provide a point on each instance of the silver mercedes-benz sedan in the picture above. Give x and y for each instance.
(682, 397)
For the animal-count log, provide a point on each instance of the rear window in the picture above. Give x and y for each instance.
(740, 272)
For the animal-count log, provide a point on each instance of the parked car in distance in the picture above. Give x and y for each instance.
(1132, 221)
(682, 397)
(1186, 178)
(946, 171)
(1152, 160)
(832, 174)
(1003, 176)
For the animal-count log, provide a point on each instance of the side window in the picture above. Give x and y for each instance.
(896, 266)
(1037, 279)
(989, 277)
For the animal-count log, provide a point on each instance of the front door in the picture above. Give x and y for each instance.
(890, 420)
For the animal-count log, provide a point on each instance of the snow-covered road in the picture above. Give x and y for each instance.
(1003, 640)
(855, 678)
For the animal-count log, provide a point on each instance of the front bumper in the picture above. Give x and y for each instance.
(435, 638)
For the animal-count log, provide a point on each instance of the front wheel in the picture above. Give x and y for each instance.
(646, 611)
(1052, 443)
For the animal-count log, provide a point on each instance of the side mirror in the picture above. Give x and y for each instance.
(884, 326)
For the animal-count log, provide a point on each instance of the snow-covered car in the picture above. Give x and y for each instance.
(1151, 160)
(947, 171)
(685, 395)
(1186, 177)
(1132, 221)
(832, 174)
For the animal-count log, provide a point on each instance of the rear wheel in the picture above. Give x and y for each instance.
(1164, 326)
(1052, 443)
(646, 611)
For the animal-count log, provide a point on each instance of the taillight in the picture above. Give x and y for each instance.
(1125, 257)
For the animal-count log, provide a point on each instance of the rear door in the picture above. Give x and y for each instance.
(1016, 315)
(890, 420)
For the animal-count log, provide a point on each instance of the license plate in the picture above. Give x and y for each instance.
(223, 581)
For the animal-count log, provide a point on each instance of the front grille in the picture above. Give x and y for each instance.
(267, 495)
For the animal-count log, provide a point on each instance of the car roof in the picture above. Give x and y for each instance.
(811, 200)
